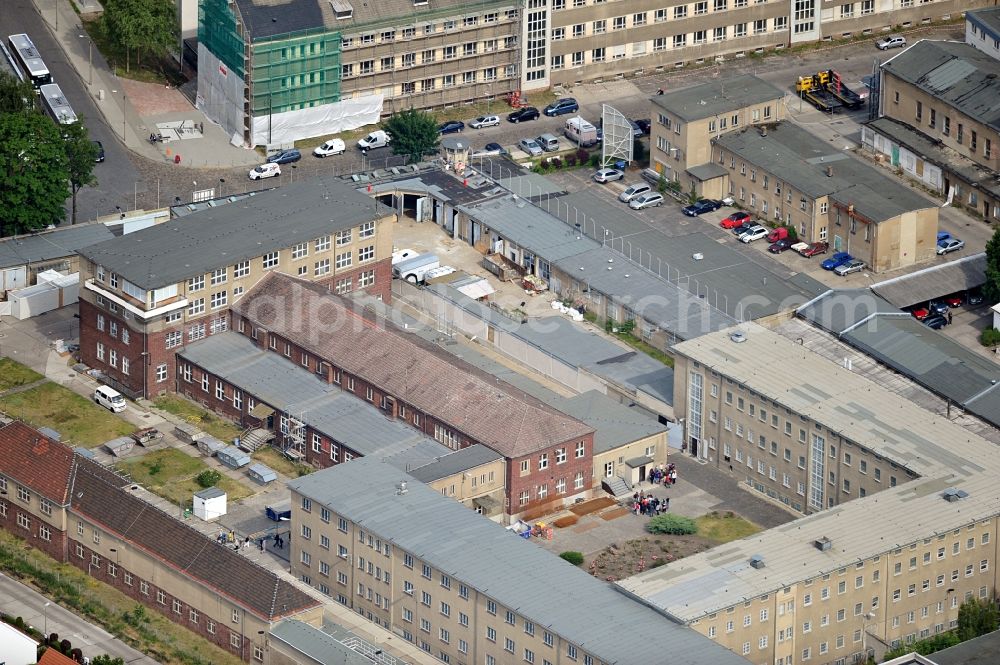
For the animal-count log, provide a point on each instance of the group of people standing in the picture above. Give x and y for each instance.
(649, 505)
(666, 475)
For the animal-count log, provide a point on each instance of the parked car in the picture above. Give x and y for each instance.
(895, 41)
(644, 125)
(920, 313)
(633, 191)
(974, 297)
(836, 260)
(521, 115)
(451, 127)
(265, 171)
(742, 228)
(937, 307)
(949, 245)
(847, 267)
(608, 175)
(377, 139)
(735, 219)
(484, 121)
(705, 205)
(285, 157)
(331, 147)
(936, 321)
(647, 200)
(954, 301)
(780, 233)
(781, 245)
(530, 146)
(755, 232)
(98, 151)
(562, 106)
(814, 248)
(489, 150)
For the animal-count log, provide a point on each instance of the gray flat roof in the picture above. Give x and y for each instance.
(944, 453)
(319, 647)
(441, 185)
(793, 155)
(982, 650)
(988, 19)
(839, 309)
(954, 73)
(936, 281)
(707, 171)
(614, 424)
(514, 572)
(935, 152)
(49, 245)
(455, 462)
(717, 97)
(195, 244)
(285, 386)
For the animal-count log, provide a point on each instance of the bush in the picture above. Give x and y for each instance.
(556, 163)
(571, 160)
(575, 558)
(672, 524)
(595, 161)
(582, 156)
(209, 478)
(990, 337)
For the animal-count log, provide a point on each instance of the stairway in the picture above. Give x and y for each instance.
(254, 438)
(616, 486)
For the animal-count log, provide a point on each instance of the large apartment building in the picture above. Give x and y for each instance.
(273, 72)
(938, 123)
(146, 294)
(79, 513)
(463, 588)
(905, 520)
(548, 454)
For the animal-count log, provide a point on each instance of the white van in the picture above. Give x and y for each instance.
(110, 399)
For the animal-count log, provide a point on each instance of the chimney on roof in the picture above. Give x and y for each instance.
(829, 171)
(823, 544)
(757, 561)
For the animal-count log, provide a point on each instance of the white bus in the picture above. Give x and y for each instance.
(55, 104)
(27, 59)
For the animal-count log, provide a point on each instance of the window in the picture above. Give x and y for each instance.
(366, 230)
(321, 268)
(366, 254)
(344, 260)
(220, 299)
(269, 260)
(196, 307)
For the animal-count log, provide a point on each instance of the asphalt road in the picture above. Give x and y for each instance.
(117, 176)
(17, 599)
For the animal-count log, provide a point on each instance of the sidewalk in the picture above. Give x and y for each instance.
(212, 150)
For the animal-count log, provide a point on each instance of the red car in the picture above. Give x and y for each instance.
(736, 219)
(815, 248)
(920, 314)
(954, 301)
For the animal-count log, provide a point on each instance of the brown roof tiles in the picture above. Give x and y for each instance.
(471, 401)
(34, 461)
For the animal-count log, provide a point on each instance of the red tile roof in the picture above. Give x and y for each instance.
(53, 657)
(31, 459)
(468, 399)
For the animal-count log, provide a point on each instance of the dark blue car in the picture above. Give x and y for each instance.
(451, 127)
(561, 106)
(285, 157)
(838, 259)
(705, 205)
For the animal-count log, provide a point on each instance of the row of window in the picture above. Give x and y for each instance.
(390, 35)
(946, 128)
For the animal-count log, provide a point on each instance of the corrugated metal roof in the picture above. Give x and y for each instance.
(282, 384)
(936, 281)
(514, 572)
(195, 244)
(49, 245)
(944, 453)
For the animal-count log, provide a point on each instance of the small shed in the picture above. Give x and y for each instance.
(261, 473)
(188, 432)
(120, 446)
(233, 457)
(209, 445)
(210, 504)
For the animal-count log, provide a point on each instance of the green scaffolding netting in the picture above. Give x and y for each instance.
(217, 31)
(295, 71)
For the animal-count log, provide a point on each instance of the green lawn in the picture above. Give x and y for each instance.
(80, 421)
(220, 428)
(171, 474)
(724, 527)
(13, 374)
(278, 462)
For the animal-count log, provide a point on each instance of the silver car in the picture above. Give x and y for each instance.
(633, 191)
(647, 200)
(530, 146)
(607, 175)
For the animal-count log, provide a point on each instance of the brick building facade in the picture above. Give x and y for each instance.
(147, 294)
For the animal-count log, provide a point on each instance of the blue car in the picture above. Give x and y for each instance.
(838, 259)
(451, 127)
(285, 157)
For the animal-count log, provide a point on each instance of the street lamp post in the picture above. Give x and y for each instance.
(45, 619)
(90, 58)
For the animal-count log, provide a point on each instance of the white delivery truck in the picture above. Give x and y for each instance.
(377, 139)
(581, 132)
(414, 270)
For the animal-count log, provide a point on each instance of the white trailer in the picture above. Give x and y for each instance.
(414, 270)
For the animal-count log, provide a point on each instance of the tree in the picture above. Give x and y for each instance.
(693, 196)
(16, 96)
(80, 155)
(976, 617)
(35, 173)
(143, 26)
(414, 134)
(992, 287)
